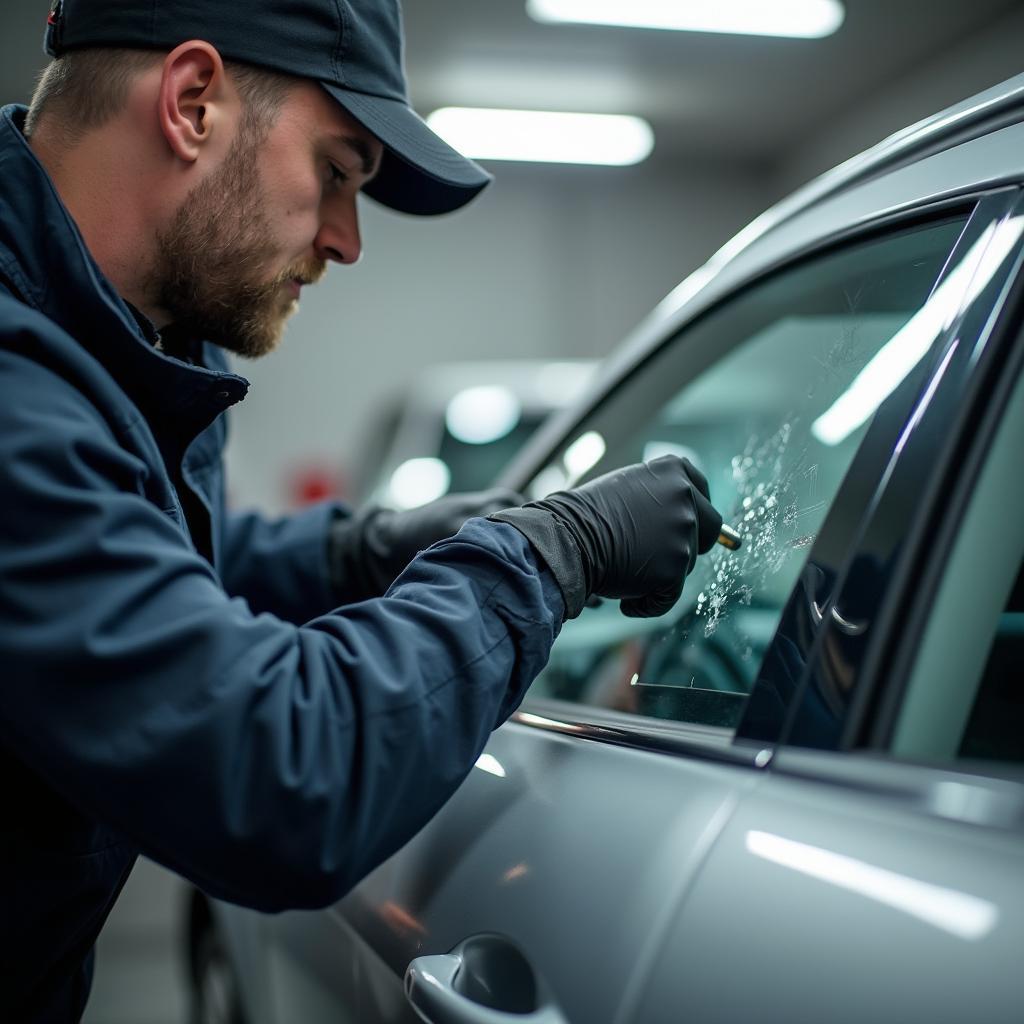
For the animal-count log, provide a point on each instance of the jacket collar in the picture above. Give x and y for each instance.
(43, 256)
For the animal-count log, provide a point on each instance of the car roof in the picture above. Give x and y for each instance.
(978, 115)
(909, 168)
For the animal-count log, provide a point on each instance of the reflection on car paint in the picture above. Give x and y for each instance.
(959, 913)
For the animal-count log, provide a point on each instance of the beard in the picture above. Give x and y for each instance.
(210, 268)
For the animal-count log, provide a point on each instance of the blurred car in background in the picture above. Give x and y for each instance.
(799, 795)
(460, 424)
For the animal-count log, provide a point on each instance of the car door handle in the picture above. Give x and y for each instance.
(484, 980)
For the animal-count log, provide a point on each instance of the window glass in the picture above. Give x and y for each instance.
(769, 395)
(965, 694)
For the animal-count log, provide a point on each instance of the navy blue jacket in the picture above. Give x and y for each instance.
(173, 679)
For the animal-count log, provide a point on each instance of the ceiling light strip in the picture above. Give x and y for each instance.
(799, 19)
(544, 136)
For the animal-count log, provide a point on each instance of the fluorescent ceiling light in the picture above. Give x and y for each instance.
(801, 19)
(544, 136)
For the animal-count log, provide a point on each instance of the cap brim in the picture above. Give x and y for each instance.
(419, 172)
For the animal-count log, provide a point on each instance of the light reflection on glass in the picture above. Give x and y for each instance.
(959, 913)
(898, 357)
(584, 453)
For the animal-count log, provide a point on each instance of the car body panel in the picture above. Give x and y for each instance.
(497, 855)
(849, 903)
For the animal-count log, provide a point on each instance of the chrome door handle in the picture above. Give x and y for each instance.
(484, 980)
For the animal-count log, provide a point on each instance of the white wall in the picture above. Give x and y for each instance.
(548, 262)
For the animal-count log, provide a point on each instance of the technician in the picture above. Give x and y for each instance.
(262, 707)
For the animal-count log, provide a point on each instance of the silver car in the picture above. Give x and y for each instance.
(798, 796)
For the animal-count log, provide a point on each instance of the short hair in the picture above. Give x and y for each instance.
(84, 89)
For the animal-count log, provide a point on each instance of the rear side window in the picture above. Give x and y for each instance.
(770, 395)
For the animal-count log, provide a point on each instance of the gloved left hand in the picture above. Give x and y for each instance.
(368, 550)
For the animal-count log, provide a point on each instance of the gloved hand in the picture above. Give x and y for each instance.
(632, 534)
(370, 549)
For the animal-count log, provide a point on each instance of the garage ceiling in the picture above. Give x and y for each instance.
(709, 97)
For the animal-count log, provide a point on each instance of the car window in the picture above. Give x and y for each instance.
(769, 395)
(965, 695)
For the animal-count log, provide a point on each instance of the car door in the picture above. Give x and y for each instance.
(563, 859)
(876, 872)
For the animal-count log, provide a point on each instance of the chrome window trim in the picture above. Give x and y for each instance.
(681, 739)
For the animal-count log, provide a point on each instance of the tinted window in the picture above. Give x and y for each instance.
(769, 395)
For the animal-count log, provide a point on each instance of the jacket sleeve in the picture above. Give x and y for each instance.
(272, 764)
(280, 565)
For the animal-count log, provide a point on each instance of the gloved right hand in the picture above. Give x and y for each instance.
(632, 534)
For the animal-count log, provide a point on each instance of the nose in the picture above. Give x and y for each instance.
(338, 239)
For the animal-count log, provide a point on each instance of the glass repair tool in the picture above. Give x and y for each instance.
(729, 538)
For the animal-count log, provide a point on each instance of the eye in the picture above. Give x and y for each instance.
(335, 175)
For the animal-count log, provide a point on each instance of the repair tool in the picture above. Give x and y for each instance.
(729, 538)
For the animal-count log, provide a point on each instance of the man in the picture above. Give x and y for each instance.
(239, 700)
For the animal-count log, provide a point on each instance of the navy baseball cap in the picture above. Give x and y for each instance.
(353, 48)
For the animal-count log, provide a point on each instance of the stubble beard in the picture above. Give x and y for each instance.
(210, 264)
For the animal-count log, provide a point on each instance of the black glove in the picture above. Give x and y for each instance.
(634, 534)
(367, 551)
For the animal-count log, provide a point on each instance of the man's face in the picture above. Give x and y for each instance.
(232, 261)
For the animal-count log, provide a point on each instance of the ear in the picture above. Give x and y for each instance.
(195, 98)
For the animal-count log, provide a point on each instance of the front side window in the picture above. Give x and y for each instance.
(769, 395)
